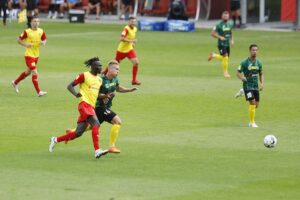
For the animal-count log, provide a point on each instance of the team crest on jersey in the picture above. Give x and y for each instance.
(250, 67)
(107, 85)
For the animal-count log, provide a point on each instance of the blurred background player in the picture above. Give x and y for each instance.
(3, 9)
(32, 10)
(126, 48)
(31, 39)
(89, 85)
(110, 84)
(16, 7)
(235, 7)
(223, 32)
(249, 71)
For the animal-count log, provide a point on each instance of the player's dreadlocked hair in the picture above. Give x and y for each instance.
(91, 61)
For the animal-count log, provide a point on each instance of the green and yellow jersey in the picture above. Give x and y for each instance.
(108, 86)
(225, 30)
(251, 70)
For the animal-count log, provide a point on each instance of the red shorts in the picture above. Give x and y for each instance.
(31, 62)
(85, 111)
(120, 56)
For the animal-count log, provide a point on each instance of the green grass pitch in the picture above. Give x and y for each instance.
(184, 136)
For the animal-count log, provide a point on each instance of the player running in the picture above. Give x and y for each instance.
(103, 110)
(108, 88)
(89, 85)
(31, 39)
(223, 32)
(126, 48)
(249, 71)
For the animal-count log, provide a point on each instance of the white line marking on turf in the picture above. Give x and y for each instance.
(78, 34)
(82, 34)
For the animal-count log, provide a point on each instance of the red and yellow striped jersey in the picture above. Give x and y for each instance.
(34, 37)
(89, 86)
(129, 33)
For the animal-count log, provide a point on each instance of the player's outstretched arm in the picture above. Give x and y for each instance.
(124, 90)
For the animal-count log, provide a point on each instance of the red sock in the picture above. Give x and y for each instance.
(21, 77)
(36, 82)
(67, 137)
(134, 72)
(95, 136)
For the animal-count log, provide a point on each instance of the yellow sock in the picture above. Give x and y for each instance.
(225, 63)
(114, 132)
(218, 56)
(252, 113)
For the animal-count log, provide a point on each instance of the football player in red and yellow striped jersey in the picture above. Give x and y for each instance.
(31, 39)
(89, 85)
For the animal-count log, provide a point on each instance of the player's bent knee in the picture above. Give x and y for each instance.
(116, 120)
(79, 133)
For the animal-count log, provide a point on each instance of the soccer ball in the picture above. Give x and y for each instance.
(270, 141)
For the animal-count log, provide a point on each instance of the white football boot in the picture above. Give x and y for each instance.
(239, 93)
(253, 125)
(53, 142)
(15, 86)
(99, 153)
(42, 93)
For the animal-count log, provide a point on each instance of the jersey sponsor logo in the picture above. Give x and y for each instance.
(253, 67)
(225, 28)
(92, 87)
(108, 85)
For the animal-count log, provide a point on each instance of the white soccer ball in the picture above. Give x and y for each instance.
(270, 141)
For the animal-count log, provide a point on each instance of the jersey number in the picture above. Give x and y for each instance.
(249, 95)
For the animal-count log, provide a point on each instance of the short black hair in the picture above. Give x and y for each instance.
(90, 61)
(252, 45)
(132, 17)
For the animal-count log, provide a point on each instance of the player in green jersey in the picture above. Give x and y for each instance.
(250, 71)
(223, 32)
(108, 88)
